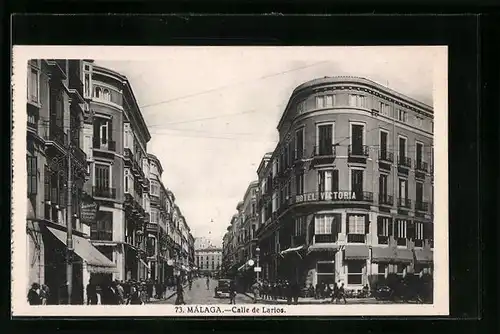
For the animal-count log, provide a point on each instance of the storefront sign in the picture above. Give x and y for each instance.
(88, 211)
(326, 196)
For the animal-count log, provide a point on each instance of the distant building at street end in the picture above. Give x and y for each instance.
(208, 261)
(202, 242)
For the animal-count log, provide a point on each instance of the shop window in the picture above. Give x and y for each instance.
(401, 269)
(355, 272)
(325, 272)
(382, 270)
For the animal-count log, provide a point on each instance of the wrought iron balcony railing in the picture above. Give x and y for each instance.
(385, 156)
(104, 192)
(358, 151)
(422, 206)
(421, 166)
(385, 199)
(325, 238)
(110, 145)
(404, 203)
(404, 161)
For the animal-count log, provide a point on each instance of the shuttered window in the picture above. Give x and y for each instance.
(31, 163)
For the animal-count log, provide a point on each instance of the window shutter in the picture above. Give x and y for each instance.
(367, 224)
(335, 180)
(347, 224)
(411, 230)
(390, 228)
(380, 226)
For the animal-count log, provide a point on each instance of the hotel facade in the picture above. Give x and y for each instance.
(347, 194)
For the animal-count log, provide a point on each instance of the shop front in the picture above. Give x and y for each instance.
(87, 260)
(390, 260)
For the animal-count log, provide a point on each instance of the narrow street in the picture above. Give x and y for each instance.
(200, 295)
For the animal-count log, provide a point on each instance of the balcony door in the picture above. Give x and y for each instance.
(383, 144)
(102, 177)
(403, 190)
(328, 180)
(418, 154)
(402, 148)
(325, 139)
(419, 192)
(357, 181)
(357, 138)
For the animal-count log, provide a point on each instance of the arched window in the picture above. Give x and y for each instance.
(98, 92)
(105, 95)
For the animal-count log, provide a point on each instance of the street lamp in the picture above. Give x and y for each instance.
(257, 255)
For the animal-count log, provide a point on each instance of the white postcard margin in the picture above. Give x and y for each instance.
(20, 284)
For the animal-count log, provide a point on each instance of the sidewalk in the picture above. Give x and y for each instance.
(313, 301)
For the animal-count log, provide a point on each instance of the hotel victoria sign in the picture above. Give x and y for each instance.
(327, 196)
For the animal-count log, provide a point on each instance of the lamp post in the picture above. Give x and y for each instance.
(257, 255)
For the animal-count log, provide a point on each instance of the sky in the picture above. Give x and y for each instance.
(213, 112)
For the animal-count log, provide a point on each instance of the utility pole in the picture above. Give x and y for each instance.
(69, 229)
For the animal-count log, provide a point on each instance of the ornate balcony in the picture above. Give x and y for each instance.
(422, 206)
(404, 162)
(421, 166)
(109, 146)
(104, 192)
(404, 203)
(357, 153)
(384, 199)
(55, 134)
(324, 155)
(325, 238)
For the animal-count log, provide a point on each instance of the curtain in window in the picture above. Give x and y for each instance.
(356, 224)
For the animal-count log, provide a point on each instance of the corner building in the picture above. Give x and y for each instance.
(347, 194)
(119, 172)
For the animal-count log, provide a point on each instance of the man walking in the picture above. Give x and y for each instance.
(208, 282)
(232, 293)
(180, 293)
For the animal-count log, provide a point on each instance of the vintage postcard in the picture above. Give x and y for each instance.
(230, 181)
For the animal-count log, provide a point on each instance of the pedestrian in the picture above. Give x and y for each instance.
(208, 282)
(34, 295)
(91, 293)
(44, 294)
(180, 293)
(135, 296)
(63, 294)
(232, 293)
(256, 290)
(295, 292)
(335, 293)
(120, 293)
(342, 293)
(288, 292)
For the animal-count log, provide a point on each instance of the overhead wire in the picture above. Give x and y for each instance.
(230, 85)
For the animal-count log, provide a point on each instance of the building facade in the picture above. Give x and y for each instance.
(208, 260)
(119, 180)
(58, 116)
(347, 194)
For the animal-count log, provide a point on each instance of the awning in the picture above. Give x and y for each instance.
(290, 250)
(356, 252)
(96, 261)
(323, 247)
(424, 255)
(391, 254)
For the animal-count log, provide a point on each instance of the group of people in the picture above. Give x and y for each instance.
(38, 294)
(107, 292)
(281, 289)
(131, 292)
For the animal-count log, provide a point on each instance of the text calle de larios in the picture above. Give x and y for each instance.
(235, 310)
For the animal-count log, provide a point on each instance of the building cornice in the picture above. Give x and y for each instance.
(343, 82)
